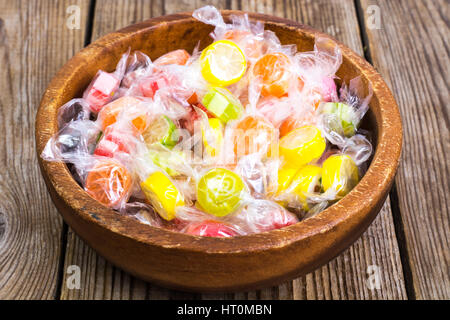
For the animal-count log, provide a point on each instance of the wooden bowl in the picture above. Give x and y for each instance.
(204, 264)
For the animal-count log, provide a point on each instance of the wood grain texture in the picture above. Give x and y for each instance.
(416, 68)
(100, 279)
(344, 277)
(34, 44)
(110, 16)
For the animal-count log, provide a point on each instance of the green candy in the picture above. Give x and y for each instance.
(344, 113)
(167, 161)
(219, 191)
(222, 104)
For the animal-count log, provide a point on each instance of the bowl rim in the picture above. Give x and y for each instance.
(380, 172)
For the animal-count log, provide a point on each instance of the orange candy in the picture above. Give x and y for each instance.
(193, 99)
(273, 68)
(179, 57)
(300, 84)
(236, 34)
(294, 122)
(109, 182)
(108, 115)
(252, 134)
(252, 48)
(317, 98)
(287, 126)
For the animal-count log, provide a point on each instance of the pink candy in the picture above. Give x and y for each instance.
(116, 139)
(101, 90)
(210, 228)
(277, 219)
(329, 92)
(263, 215)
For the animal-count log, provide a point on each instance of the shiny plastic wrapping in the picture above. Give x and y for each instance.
(245, 136)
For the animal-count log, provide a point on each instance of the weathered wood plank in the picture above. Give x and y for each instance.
(34, 43)
(189, 5)
(416, 68)
(100, 279)
(110, 16)
(343, 278)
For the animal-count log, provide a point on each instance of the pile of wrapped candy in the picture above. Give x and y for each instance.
(245, 136)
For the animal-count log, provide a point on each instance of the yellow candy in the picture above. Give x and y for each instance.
(301, 146)
(212, 148)
(162, 194)
(219, 191)
(222, 63)
(307, 180)
(285, 176)
(340, 173)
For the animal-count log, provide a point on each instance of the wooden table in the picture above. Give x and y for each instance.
(407, 245)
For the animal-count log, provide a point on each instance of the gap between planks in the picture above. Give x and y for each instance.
(393, 196)
(415, 66)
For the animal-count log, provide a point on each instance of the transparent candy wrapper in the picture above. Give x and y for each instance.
(246, 136)
(119, 139)
(251, 135)
(317, 69)
(262, 215)
(74, 142)
(108, 181)
(260, 176)
(75, 109)
(178, 57)
(139, 65)
(156, 172)
(105, 85)
(225, 197)
(273, 74)
(220, 191)
(193, 221)
(253, 216)
(275, 110)
(136, 110)
(339, 121)
(248, 35)
(315, 186)
(144, 213)
(149, 84)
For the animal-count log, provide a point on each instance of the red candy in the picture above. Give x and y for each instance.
(211, 228)
(158, 81)
(106, 148)
(150, 86)
(115, 140)
(277, 219)
(188, 122)
(101, 90)
(262, 216)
